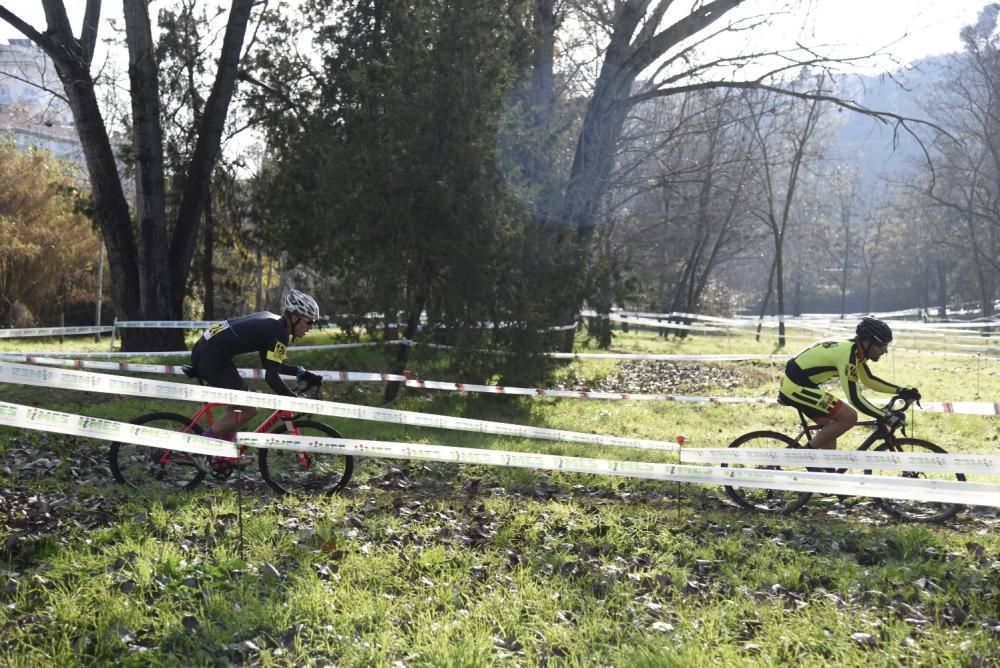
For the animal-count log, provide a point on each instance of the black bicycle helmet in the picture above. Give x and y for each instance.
(875, 330)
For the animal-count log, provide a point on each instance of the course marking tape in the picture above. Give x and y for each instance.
(53, 331)
(850, 459)
(28, 417)
(918, 489)
(19, 356)
(877, 486)
(178, 370)
(161, 389)
(669, 357)
(947, 407)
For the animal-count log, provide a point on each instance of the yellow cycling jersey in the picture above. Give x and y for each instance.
(829, 359)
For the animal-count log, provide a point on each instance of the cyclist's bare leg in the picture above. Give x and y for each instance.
(839, 423)
(234, 418)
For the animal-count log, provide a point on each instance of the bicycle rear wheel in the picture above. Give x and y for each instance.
(770, 501)
(305, 473)
(144, 467)
(917, 511)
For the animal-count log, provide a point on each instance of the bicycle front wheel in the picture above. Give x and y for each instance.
(770, 501)
(305, 473)
(917, 511)
(145, 467)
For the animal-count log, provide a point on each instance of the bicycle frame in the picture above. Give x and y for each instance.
(279, 415)
(880, 433)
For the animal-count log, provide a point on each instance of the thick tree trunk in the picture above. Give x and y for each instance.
(150, 196)
(146, 281)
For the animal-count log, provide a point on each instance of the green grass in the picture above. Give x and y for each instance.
(446, 565)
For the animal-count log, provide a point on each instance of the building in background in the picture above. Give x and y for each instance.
(32, 108)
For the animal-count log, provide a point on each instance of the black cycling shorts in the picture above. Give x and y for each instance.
(216, 372)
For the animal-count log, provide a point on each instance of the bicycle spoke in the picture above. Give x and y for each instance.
(143, 467)
(306, 473)
(917, 511)
(771, 501)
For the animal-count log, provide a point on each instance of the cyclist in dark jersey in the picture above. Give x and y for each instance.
(849, 360)
(264, 333)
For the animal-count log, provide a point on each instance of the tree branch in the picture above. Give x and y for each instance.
(42, 40)
(88, 32)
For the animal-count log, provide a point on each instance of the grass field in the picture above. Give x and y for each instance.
(447, 565)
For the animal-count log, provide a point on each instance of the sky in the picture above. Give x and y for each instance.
(916, 28)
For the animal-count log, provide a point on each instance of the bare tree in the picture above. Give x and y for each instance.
(965, 185)
(682, 192)
(150, 259)
(782, 138)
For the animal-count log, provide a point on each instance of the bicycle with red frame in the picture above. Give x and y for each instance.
(285, 471)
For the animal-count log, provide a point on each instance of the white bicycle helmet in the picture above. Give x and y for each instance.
(301, 304)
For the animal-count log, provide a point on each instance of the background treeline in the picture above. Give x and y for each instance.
(499, 165)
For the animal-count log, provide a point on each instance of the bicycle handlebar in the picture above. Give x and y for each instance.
(306, 390)
(906, 403)
(903, 405)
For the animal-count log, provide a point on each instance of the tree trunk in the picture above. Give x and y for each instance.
(766, 299)
(403, 354)
(780, 293)
(843, 276)
(213, 119)
(942, 272)
(149, 273)
(207, 274)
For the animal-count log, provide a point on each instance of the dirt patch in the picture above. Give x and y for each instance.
(661, 377)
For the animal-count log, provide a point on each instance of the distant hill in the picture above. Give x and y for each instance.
(868, 142)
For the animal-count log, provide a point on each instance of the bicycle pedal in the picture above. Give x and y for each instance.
(201, 463)
(222, 463)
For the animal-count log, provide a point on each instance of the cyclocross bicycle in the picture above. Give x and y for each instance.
(285, 471)
(884, 439)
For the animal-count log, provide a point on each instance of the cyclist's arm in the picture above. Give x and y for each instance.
(853, 392)
(273, 362)
(874, 382)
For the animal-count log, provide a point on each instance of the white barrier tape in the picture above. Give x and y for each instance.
(810, 320)
(648, 322)
(19, 356)
(92, 382)
(59, 353)
(177, 370)
(28, 417)
(948, 407)
(53, 331)
(164, 324)
(962, 407)
(670, 357)
(850, 459)
(950, 353)
(918, 489)
(580, 394)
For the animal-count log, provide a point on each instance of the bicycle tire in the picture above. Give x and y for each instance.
(324, 473)
(767, 501)
(917, 511)
(142, 466)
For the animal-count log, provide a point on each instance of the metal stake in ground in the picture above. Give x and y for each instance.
(239, 493)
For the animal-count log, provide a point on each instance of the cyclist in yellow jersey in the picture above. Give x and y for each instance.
(849, 360)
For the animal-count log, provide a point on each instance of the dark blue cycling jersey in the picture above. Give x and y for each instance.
(264, 333)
